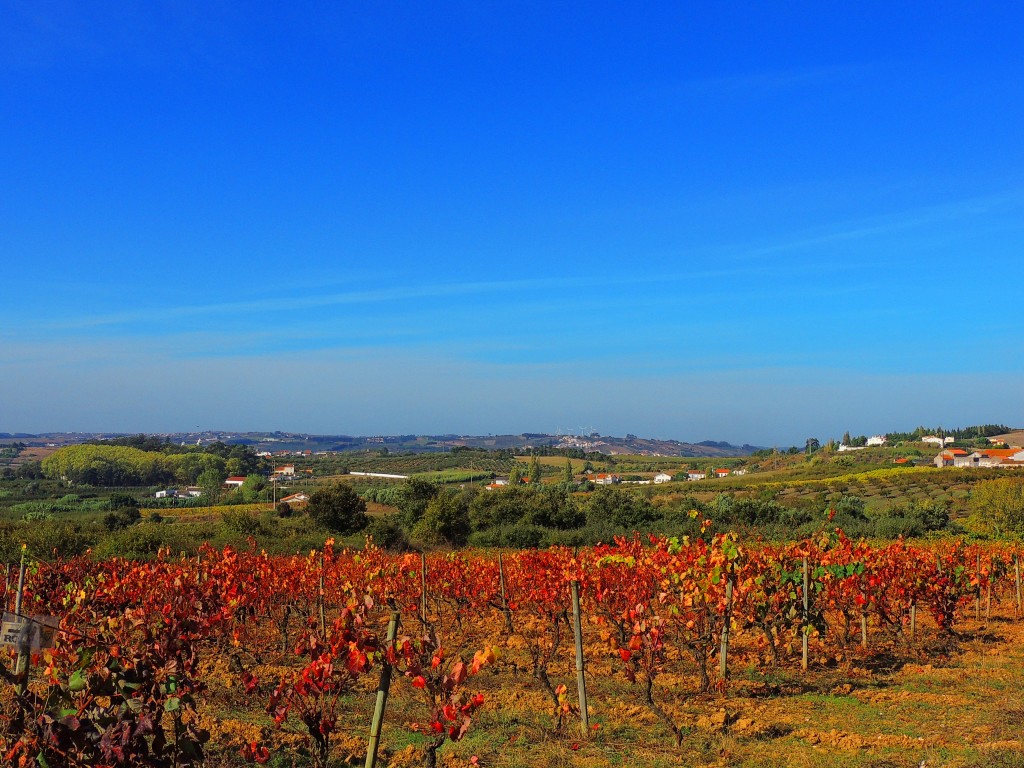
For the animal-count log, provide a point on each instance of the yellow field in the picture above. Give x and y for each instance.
(208, 512)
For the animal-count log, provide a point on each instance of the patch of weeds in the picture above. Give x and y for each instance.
(1001, 758)
(886, 762)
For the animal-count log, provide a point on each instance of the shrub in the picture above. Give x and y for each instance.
(388, 533)
(121, 518)
(241, 523)
(338, 508)
(445, 521)
(140, 542)
(47, 540)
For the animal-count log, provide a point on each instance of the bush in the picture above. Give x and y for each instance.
(523, 536)
(338, 508)
(140, 542)
(118, 500)
(34, 517)
(242, 523)
(445, 521)
(620, 509)
(518, 536)
(388, 533)
(121, 518)
(57, 539)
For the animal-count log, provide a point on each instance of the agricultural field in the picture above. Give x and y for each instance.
(402, 464)
(693, 653)
(881, 489)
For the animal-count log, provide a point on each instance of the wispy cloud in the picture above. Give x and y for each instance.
(886, 224)
(384, 296)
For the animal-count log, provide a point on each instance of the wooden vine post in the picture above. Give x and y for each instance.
(504, 597)
(807, 613)
(977, 593)
(581, 683)
(24, 656)
(723, 654)
(988, 599)
(423, 587)
(320, 600)
(1016, 580)
(383, 687)
(913, 620)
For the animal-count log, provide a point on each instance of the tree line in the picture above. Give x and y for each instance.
(110, 464)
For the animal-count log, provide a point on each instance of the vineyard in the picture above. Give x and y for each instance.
(336, 657)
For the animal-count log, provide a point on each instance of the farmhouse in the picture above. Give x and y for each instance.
(235, 481)
(949, 457)
(876, 440)
(986, 457)
(695, 474)
(662, 477)
(296, 498)
(721, 473)
(606, 479)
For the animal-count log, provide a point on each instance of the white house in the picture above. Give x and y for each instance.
(739, 471)
(662, 477)
(721, 473)
(285, 470)
(296, 498)
(876, 440)
(953, 457)
(606, 479)
(844, 447)
(235, 482)
(934, 439)
(694, 474)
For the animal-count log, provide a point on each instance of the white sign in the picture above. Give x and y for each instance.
(14, 631)
(28, 634)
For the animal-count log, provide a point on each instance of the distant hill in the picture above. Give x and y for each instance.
(296, 441)
(1013, 438)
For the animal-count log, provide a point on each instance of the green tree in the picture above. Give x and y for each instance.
(210, 481)
(413, 500)
(997, 507)
(534, 474)
(252, 487)
(338, 508)
(620, 508)
(515, 475)
(444, 521)
(567, 476)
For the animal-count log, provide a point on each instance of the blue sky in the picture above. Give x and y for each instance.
(684, 220)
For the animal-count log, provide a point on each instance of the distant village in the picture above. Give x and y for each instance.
(999, 455)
